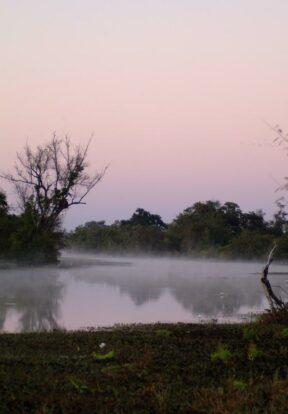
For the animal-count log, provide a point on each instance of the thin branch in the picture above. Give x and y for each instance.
(53, 177)
(274, 301)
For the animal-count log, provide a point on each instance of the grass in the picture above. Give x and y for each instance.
(162, 368)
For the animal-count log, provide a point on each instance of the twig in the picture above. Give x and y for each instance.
(275, 302)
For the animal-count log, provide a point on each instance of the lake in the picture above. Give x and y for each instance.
(87, 291)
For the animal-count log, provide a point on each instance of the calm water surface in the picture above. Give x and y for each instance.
(92, 291)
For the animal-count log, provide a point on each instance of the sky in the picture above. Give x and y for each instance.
(174, 92)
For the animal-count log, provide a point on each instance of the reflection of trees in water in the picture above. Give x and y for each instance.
(3, 313)
(35, 294)
(140, 294)
(211, 298)
(197, 292)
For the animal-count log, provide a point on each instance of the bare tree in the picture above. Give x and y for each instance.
(276, 303)
(280, 139)
(51, 179)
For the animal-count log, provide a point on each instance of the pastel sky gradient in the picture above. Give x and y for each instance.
(173, 90)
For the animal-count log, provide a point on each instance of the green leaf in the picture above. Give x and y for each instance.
(103, 357)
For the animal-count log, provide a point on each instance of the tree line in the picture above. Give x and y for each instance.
(53, 177)
(204, 229)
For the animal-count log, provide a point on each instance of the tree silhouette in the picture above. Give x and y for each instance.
(48, 181)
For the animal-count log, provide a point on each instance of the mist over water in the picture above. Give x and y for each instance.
(93, 291)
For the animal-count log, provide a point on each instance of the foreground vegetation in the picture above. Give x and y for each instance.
(180, 368)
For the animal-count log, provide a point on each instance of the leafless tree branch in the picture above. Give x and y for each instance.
(52, 178)
(276, 303)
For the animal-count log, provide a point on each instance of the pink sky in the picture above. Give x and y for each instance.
(174, 92)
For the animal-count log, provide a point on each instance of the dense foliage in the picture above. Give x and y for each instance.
(20, 239)
(206, 228)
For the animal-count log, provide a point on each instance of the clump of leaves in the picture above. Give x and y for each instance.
(79, 385)
(284, 333)
(221, 354)
(103, 357)
(240, 385)
(249, 333)
(254, 352)
(162, 397)
(115, 369)
(165, 333)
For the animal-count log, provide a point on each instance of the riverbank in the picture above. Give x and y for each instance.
(161, 368)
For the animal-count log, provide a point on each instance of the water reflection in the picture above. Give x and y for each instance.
(33, 296)
(89, 291)
(206, 288)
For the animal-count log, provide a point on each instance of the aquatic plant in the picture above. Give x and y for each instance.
(221, 354)
(79, 385)
(200, 369)
(239, 385)
(163, 332)
(250, 332)
(284, 332)
(254, 352)
(103, 357)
